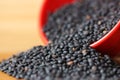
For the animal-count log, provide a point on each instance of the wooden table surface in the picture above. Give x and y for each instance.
(18, 27)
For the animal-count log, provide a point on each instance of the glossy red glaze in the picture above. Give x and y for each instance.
(49, 6)
(110, 43)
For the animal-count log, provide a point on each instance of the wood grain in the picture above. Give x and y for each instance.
(18, 27)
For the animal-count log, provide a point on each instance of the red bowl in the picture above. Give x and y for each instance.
(104, 45)
(49, 6)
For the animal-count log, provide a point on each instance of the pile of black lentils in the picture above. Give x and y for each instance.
(70, 30)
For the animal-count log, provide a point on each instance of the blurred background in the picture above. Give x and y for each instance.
(18, 26)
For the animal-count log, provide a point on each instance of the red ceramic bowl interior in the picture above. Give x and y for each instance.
(49, 6)
(110, 43)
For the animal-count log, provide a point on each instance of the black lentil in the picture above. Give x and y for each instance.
(40, 65)
(68, 56)
(90, 17)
